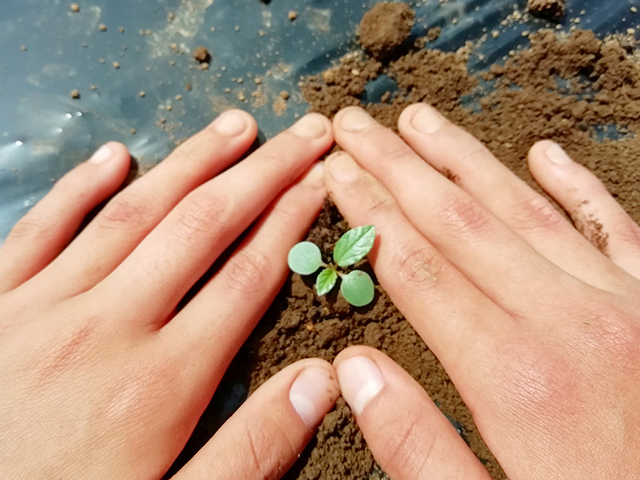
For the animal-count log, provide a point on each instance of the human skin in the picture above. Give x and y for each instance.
(101, 374)
(538, 329)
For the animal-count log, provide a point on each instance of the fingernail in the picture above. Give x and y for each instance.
(230, 123)
(315, 176)
(102, 155)
(310, 393)
(427, 120)
(310, 126)
(360, 382)
(556, 155)
(343, 168)
(355, 120)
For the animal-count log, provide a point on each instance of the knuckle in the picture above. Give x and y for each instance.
(248, 271)
(395, 154)
(462, 217)
(269, 446)
(616, 336)
(534, 213)
(32, 225)
(418, 267)
(627, 230)
(203, 213)
(409, 447)
(127, 211)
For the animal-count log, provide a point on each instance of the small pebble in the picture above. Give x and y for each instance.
(75, 94)
(23, 48)
(169, 108)
(115, 65)
(121, 29)
(142, 94)
(293, 15)
(634, 9)
(74, 7)
(284, 95)
(242, 97)
(171, 17)
(178, 97)
(202, 54)
(133, 131)
(93, 87)
(102, 27)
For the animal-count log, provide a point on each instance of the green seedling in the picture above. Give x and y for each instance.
(356, 286)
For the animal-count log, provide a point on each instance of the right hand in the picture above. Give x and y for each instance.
(538, 329)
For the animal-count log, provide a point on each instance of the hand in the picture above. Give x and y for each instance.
(102, 373)
(538, 329)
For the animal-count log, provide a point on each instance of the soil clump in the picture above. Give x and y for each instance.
(201, 54)
(546, 8)
(385, 27)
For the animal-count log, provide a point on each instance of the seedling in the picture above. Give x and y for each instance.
(356, 286)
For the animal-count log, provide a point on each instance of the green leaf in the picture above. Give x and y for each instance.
(357, 288)
(326, 281)
(354, 245)
(305, 258)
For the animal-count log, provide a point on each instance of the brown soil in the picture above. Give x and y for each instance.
(568, 89)
(547, 8)
(385, 27)
(201, 54)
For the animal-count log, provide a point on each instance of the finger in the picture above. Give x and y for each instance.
(468, 163)
(407, 434)
(495, 258)
(233, 301)
(50, 225)
(446, 310)
(268, 433)
(134, 212)
(595, 213)
(183, 247)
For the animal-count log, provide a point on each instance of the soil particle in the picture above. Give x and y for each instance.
(202, 54)
(292, 15)
(23, 48)
(116, 65)
(75, 94)
(102, 27)
(546, 8)
(74, 7)
(385, 27)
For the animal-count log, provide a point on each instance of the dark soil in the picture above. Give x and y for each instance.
(385, 27)
(546, 8)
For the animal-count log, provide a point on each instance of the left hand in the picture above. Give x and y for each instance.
(103, 373)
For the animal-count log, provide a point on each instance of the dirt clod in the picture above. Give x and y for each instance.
(546, 8)
(385, 27)
(201, 54)
(75, 94)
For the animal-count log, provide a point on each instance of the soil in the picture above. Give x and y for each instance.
(385, 27)
(547, 8)
(578, 90)
(201, 54)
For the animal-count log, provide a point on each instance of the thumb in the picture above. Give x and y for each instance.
(409, 437)
(267, 434)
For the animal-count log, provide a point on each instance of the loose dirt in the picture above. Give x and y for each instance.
(578, 90)
(547, 8)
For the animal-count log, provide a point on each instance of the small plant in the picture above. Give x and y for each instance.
(356, 286)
